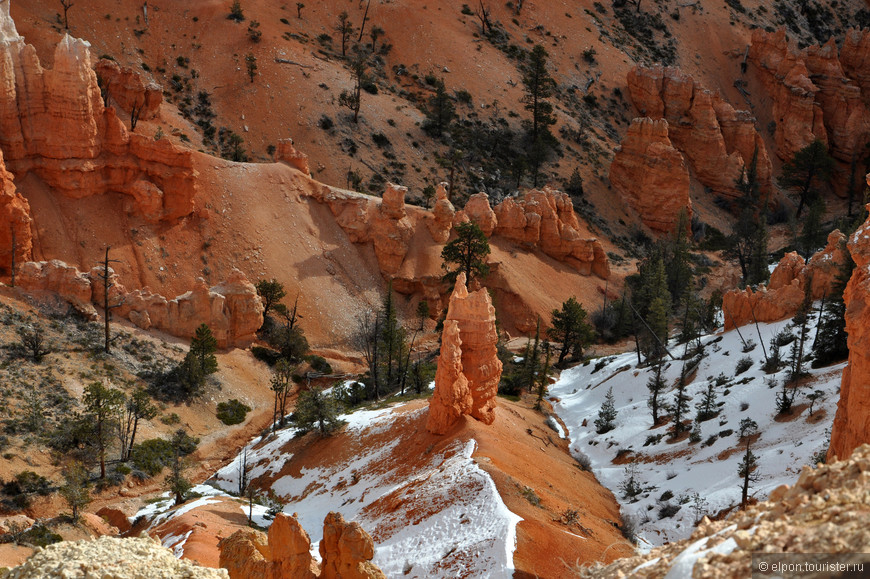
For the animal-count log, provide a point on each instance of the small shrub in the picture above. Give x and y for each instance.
(40, 536)
(319, 364)
(236, 12)
(668, 511)
(267, 355)
(170, 419)
(743, 364)
(667, 495)
(232, 412)
(531, 496)
(325, 122)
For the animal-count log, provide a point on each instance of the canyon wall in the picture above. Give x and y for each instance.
(816, 93)
(852, 421)
(718, 140)
(53, 123)
(650, 174)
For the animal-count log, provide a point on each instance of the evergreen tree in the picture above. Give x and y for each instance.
(539, 86)
(138, 407)
(812, 234)
(803, 173)
(830, 344)
(570, 328)
(544, 375)
(678, 268)
(748, 242)
(392, 347)
(316, 409)
(103, 406)
(680, 407)
(656, 386)
(707, 408)
(440, 111)
(352, 99)
(76, 488)
(532, 360)
(815, 396)
(657, 320)
(199, 362)
(271, 292)
(467, 253)
(282, 385)
(606, 414)
(746, 470)
(176, 482)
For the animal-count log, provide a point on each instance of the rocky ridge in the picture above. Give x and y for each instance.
(784, 293)
(232, 309)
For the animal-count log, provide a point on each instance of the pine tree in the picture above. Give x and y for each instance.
(440, 111)
(532, 361)
(103, 406)
(570, 328)
(76, 488)
(680, 408)
(467, 253)
(199, 362)
(539, 86)
(544, 375)
(606, 414)
(746, 470)
(678, 268)
(802, 174)
(316, 409)
(812, 234)
(176, 482)
(656, 386)
(707, 407)
(657, 319)
(748, 242)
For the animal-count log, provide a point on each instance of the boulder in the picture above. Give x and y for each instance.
(291, 548)
(480, 213)
(59, 278)
(650, 174)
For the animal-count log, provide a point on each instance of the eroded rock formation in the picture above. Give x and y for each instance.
(442, 215)
(53, 123)
(125, 87)
(14, 220)
(346, 551)
(813, 92)
(784, 293)
(546, 219)
(852, 421)
(288, 153)
(232, 309)
(718, 140)
(452, 398)
(650, 174)
(470, 361)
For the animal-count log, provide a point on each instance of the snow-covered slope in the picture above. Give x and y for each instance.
(431, 511)
(700, 477)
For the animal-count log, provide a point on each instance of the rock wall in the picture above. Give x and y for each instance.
(650, 174)
(852, 421)
(125, 88)
(14, 219)
(718, 140)
(232, 309)
(468, 382)
(53, 123)
(813, 92)
(346, 552)
(783, 295)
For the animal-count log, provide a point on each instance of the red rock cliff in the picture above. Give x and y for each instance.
(14, 220)
(53, 123)
(852, 421)
(649, 173)
(718, 140)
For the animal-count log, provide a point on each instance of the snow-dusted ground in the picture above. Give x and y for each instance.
(447, 518)
(685, 469)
